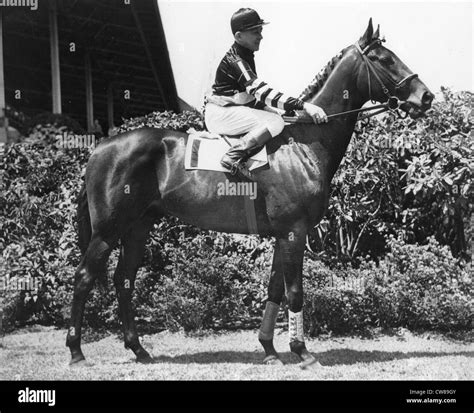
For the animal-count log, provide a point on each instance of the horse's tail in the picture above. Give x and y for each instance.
(84, 229)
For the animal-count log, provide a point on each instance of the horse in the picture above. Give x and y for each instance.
(137, 177)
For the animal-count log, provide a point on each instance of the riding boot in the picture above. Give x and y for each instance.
(247, 146)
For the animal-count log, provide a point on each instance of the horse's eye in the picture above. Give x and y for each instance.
(387, 60)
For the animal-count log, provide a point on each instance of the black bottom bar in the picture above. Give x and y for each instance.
(186, 396)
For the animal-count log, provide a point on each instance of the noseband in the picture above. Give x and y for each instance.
(393, 101)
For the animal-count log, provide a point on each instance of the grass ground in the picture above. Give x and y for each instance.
(39, 353)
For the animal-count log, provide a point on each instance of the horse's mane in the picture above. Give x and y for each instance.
(320, 79)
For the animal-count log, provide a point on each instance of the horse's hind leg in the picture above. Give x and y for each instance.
(131, 254)
(92, 266)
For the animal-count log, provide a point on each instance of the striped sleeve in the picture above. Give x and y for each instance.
(271, 97)
(264, 93)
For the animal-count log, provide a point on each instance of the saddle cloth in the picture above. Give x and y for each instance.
(205, 150)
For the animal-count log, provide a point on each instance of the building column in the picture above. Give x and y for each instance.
(110, 105)
(89, 95)
(54, 47)
(3, 117)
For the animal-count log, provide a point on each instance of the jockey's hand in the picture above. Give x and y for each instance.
(317, 114)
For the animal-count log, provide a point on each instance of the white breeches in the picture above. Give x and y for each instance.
(237, 120)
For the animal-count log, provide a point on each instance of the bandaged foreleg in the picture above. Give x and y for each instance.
(295, 326)
(269, 320)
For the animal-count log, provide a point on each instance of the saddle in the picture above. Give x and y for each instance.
(205, 150)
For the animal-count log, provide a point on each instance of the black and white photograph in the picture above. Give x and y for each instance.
(248, 197)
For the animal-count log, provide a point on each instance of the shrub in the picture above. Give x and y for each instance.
(37, 234)
(338, 311)
(400, 175)
(194, 279)
(165, 120)
(415, 286)
(54, 120)
(38, 239)
(427, 289)
(201, 288)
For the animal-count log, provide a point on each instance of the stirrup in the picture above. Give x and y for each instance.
(239, 169)
(234, 168)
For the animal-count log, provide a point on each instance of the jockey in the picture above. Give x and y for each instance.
(241, 103)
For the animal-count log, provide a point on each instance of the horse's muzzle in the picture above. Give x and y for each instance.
(418, 103)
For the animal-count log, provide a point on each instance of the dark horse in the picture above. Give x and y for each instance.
(137, 177)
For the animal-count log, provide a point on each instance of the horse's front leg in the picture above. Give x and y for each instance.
(276, 289)
(292, 251)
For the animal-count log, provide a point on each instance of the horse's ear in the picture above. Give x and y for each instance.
(367, 36)
(376, 35)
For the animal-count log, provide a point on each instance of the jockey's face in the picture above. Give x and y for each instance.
(250, 38)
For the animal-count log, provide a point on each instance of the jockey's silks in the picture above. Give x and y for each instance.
(237, 84)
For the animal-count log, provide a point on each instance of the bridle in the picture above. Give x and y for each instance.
(392, 101)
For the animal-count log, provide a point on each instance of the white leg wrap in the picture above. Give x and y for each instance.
(295, 326)
(269, 320)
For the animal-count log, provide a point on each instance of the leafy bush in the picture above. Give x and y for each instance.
(37, 234)
(205, 289)
(55, 120)
(425, 286)
(194, 279)
(403, 175)
(165, 120)
(39, 241)
(415, 286)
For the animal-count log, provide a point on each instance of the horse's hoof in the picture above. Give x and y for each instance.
(273, 361)
(76, 358)
(81, 362)
(311, 364)
(146, 359)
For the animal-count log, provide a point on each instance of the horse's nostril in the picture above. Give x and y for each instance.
(427, 98)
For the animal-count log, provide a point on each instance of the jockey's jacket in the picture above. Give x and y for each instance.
(237, 84)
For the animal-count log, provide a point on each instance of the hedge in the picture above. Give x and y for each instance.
(193, 279)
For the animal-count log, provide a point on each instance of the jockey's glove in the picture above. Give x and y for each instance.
(317, 114)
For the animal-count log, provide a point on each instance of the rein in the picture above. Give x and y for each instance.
(392, 103)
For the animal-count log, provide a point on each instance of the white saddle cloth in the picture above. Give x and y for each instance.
(205, 150)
